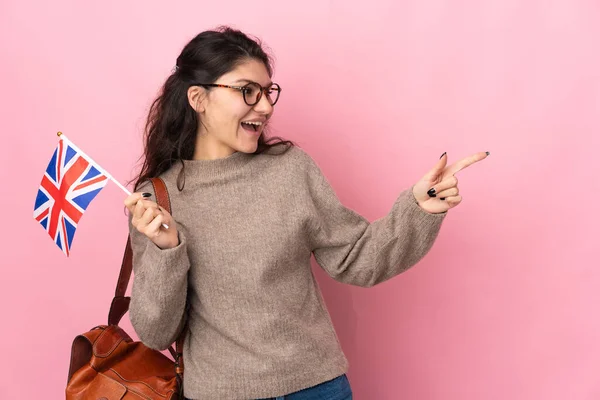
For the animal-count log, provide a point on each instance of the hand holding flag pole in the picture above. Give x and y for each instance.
(109, 176)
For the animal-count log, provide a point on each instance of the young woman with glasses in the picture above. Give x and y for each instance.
(232, 264)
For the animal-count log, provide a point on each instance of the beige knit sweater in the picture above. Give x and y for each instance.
(258, 326)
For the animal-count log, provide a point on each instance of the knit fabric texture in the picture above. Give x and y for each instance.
(248, 224)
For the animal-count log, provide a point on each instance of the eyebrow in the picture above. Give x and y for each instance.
(249, 81)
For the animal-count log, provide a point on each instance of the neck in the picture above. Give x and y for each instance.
(210, 149)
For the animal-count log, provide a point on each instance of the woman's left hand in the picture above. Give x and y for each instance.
(437, 191)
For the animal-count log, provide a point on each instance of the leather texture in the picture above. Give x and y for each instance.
(106, 364)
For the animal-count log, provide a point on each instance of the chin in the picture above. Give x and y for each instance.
(248, 147)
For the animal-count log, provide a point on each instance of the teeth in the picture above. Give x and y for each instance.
(252, 123)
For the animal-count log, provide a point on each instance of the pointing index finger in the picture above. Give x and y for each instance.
(467, 161)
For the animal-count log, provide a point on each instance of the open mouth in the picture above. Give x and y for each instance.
(252, 126)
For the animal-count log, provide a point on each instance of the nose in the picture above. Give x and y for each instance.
(263, 106)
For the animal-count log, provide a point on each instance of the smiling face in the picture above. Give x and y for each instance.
(227, 123)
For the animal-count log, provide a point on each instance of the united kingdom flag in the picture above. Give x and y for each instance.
(71, 181)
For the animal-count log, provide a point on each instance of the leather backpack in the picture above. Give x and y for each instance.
(106, 364)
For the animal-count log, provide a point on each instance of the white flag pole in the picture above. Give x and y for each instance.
(63, 137)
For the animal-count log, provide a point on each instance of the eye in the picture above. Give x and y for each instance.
(251, 89)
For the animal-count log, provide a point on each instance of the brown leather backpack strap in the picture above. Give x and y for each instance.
(126, 268)
(179, 350)
(162, 198)
(120, 303)
(162, 194)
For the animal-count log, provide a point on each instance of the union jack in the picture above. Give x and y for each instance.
(71, 181)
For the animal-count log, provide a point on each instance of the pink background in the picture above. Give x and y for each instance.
(505, 306)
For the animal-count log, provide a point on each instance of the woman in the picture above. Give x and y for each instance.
(233, 265)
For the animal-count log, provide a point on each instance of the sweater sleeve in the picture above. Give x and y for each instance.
(352, 250)
(159, 290)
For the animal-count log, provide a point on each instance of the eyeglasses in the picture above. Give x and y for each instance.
(252, 92)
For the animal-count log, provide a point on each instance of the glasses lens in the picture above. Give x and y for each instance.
(273, 93)
(252, 93)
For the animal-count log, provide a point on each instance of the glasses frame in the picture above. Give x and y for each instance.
(244, 88)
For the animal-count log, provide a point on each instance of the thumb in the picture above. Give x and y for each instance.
(438, 168)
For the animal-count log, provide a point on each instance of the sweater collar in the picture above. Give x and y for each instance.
(224, 167)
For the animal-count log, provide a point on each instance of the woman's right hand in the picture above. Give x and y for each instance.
(148, 217)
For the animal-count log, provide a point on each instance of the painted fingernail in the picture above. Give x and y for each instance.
(431, 192)
(146, 195)
(442, 198)
(487, 152)
(442, 155)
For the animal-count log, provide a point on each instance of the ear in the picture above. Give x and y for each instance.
(197, 98)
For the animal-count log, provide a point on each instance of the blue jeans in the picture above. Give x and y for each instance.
(335, 389)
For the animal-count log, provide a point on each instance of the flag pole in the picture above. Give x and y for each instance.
(62, 136)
